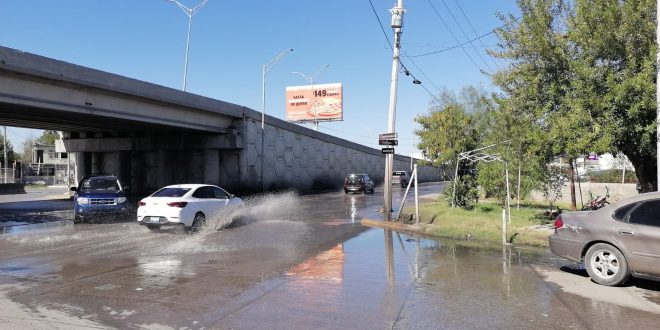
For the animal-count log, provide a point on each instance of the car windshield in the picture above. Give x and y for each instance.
(100, 184)
(171, 192)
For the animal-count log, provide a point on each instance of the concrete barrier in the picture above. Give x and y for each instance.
(12, 188)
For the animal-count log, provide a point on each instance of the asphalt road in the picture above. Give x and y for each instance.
(299, 262)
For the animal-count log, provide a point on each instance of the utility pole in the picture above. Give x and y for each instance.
(6, 160)
(396, 24)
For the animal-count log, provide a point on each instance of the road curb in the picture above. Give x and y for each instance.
(394, 225)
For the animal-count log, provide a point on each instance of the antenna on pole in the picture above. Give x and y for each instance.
(190, 12)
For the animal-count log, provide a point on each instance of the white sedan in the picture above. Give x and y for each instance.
(189, 205)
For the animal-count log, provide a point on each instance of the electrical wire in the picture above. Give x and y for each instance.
(405, 69)
(437, 13)
(453, 17)
(515, 19)
(475, 32)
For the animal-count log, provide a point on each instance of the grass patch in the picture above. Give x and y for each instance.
(484, 222)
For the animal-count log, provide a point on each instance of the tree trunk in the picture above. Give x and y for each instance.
(571, 183)
(646, 174)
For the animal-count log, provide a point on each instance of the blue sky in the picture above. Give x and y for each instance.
(231, 40)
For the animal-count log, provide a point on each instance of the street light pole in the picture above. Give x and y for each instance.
(313, 101)
(397, 24)
(190, 12)
(5, 155)
(264, 69)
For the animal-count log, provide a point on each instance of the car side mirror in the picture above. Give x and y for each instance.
(127, 188)
(73, 189)
(231, 196)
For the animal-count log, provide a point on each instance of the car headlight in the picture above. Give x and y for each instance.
(121, 200)
(83, 200)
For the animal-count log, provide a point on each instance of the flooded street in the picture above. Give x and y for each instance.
(298, 262)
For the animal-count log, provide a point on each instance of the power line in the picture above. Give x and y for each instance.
(452, 34)
(406, 71)
(380, 24)
(422, 72)
(453, 47)
(475, 32)
(465, 34)
(515, 19)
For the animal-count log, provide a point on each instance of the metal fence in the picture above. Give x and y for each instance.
(7, 175)
(40, 174)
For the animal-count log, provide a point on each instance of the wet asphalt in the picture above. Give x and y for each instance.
(297, 262)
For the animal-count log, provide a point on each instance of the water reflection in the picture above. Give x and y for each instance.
(327, 265)
(354, 203)
(161, 271)
(389, 257)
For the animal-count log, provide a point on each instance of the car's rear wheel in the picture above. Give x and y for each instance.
(606, 265)
(197, 223)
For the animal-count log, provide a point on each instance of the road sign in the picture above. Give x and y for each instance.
(388, 136)
(387, 151)
(388, 142)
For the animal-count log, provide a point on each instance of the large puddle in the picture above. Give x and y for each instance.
(265, 214)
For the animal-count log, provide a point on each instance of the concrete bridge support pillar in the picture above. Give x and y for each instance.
(212, 166)
(164, 171)
(83, 165)
(97, 162)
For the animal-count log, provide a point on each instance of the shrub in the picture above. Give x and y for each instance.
(466, 195)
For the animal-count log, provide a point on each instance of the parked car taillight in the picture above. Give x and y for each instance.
(559, 222)
(177, 204)
(141, 203)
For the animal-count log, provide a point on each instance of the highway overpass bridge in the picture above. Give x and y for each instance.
(153, 135)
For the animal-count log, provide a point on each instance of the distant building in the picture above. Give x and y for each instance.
(46, 154)
(48, 166)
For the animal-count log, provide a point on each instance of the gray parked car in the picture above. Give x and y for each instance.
(358, 182)
(400, 178)
(614, 242)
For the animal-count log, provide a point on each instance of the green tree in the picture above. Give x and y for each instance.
(10, 152)
(453, 125)
(48, 137)
(540, 88)
(616, 75)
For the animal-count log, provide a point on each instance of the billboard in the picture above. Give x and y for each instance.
(313, 103)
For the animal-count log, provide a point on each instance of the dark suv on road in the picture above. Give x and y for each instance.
(358, 183)
(100, 195)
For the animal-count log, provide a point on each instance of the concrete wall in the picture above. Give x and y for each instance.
(12, 188)
(283, 155)
(618, 191)
(307, 160)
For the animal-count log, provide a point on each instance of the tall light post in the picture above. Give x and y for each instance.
(311, 82)
(190, 12)
(396, 24)
(264, 69)
(5, 155)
